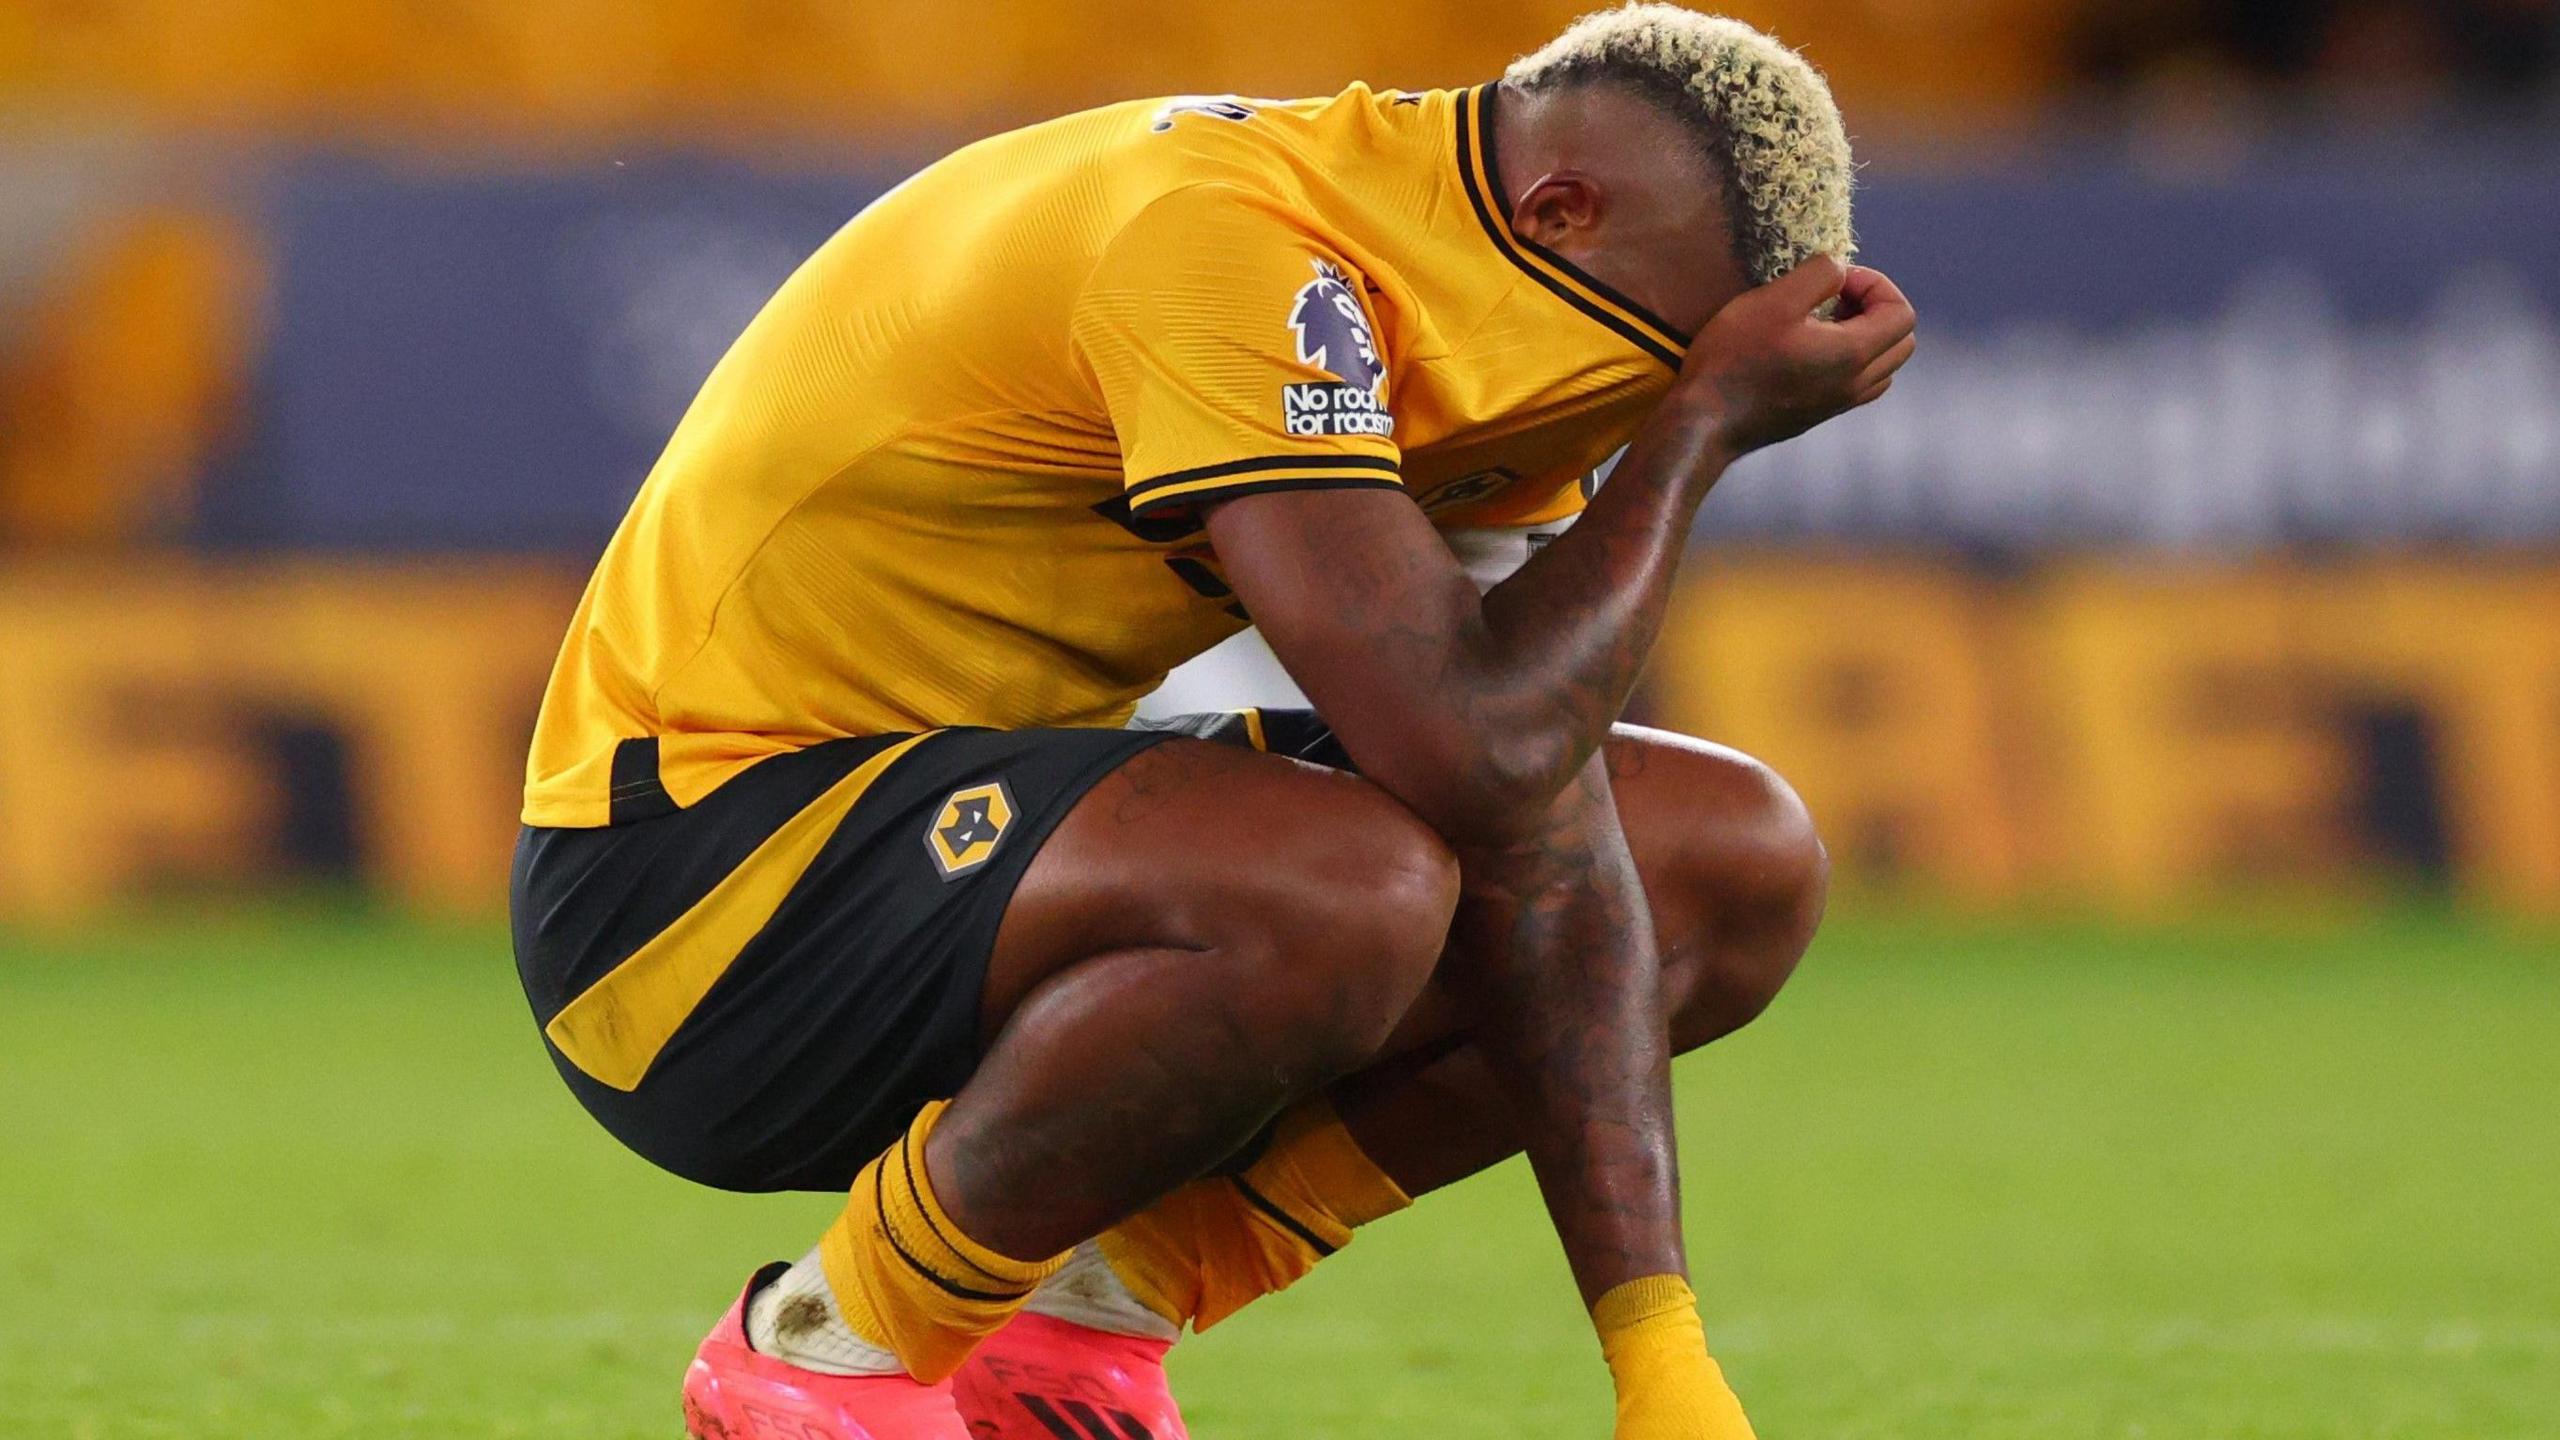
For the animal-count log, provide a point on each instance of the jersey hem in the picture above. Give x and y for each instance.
(564, 813)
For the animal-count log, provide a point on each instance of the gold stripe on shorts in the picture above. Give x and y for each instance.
(615, 1029)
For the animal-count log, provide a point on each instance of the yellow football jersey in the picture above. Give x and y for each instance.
(948, 476)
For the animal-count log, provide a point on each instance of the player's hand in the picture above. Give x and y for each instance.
(1768, 367)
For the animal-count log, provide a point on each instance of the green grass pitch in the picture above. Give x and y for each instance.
(309, 1175)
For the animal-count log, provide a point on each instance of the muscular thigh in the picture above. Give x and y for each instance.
(1720, 843)
(1192, 841)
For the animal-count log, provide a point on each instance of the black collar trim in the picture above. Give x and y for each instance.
(1479, 169)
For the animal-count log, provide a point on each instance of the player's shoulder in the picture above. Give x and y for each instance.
(1210, 124)
(1277, 146)
(1197, 161)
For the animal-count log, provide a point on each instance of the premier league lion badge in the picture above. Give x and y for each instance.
(1332, 332)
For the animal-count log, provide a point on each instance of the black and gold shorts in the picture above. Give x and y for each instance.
(760, 990)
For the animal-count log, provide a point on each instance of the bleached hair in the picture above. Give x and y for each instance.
(1762, 113)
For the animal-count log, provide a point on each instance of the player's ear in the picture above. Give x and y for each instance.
(1557, 206)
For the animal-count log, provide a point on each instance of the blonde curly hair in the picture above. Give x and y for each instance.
(1761, 112)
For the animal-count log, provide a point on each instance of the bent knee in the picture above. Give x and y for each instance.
(1352, 912)
(1379, 906)
(1739, 878)
(1782, 875)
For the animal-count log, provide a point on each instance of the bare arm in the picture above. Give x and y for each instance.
(1477, 711)
(1553, 948)
(1484, 715)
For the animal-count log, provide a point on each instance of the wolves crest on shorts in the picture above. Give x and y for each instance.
(968, 827)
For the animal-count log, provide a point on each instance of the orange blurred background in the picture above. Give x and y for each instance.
(2211, 553)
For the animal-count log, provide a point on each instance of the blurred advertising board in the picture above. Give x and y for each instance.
(2304, 349)
(176, 727)
(483, 358)
(2143, 736)
(2331, 348)
(2130, 735)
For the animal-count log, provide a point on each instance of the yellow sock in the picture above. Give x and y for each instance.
(904, 1276)
(1668, 1385)
(1205, 1251)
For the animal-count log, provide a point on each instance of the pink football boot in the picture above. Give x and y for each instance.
(1041, 1378)
(733, 1393)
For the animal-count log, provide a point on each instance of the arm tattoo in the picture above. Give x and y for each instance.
(1535, 671)
(1487, 715)
(1554, 949)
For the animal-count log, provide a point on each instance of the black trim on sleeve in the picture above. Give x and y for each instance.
(1147, 508)
(1141, 489)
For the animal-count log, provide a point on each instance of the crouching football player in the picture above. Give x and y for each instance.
(841, 872)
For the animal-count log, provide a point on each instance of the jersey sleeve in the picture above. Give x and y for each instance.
(1237, 353)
